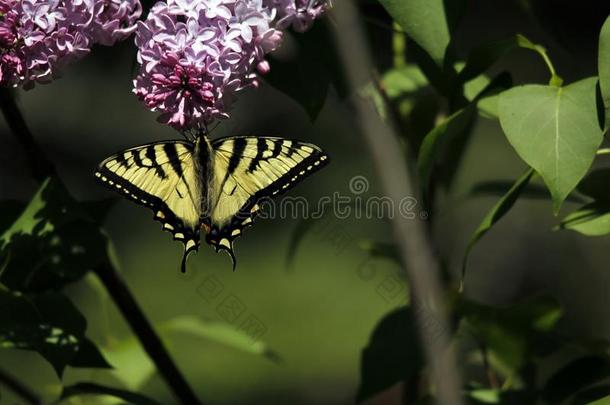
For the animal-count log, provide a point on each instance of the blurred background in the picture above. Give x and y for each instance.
(316, 311)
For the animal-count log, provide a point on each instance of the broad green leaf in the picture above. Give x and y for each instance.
(427, 22)
(604, 70)
(393, 354)
(495, 214)
(515, 334)
(306, 76)
(222, 333)
(591, 220)
(575, 376)
(555, 130)
(49, 324)
(53, 242)
(88, 389)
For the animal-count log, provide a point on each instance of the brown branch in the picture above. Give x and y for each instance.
(411, 235)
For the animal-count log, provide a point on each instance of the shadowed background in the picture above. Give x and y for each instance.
(318, 311)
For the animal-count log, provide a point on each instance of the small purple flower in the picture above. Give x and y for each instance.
(195, 55)
(40, 37)
(298, 14)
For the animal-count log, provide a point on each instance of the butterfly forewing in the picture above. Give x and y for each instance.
(248, 170)
(163, 177)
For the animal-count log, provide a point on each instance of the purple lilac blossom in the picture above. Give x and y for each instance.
(196, 54)
(39, 37)
(298, 14)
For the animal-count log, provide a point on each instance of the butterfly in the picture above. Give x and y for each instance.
(210, 185)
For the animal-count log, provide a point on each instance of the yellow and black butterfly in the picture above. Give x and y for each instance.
(211, 185)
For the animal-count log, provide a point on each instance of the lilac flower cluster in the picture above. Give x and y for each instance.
(39, 37)
(196, 54)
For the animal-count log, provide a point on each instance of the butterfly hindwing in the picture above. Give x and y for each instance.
(248, 170)
(163, 177)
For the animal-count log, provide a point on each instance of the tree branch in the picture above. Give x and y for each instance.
(18, 388)
(150, 341)
(42, 168)
(411, 236)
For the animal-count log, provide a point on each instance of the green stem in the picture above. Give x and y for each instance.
(603, 151)
(42, 168)
(523, 42)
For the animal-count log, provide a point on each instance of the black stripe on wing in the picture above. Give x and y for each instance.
(223, 238)
(129, 158)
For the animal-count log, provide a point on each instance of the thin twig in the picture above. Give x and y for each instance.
(18, 388)
(411, 235)
(42, 168)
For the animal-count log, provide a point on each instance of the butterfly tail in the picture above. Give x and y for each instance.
(189, 246)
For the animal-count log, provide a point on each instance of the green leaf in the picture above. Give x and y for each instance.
(307, 74)
(427, 22)
(604, 70)
(513, 334)
(575, 376)
(85, 389)
(393, 354)
(495, 214)
(49, 324)
(591, 219)
(53, 242)
(223, 333)
(555, 130)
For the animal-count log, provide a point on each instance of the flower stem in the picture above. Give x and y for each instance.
(151, 342)
(42, 168)
(18, 388)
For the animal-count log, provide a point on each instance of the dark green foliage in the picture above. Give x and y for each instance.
(392, 355)
(49, 324)
(53, 242)
(307, 75)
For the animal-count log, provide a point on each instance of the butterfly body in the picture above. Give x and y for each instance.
(214, 186)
